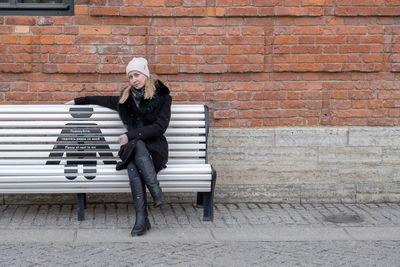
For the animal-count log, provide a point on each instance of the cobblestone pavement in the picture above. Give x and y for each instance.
(238, 236)
(187, 215)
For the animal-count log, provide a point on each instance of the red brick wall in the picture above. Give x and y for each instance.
(254, 62)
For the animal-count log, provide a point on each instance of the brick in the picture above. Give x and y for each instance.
(190, 12)
(22, 29)
(118, 20)
(20, 96)
(68, 68)
(81, 10)
(166, 69)
(346, 11)
(241, 11)
(20, 20)
(11, 39)
(307, 30)
(64, 40)
(94, 30)
(104, 11)
(290, 11)
(6, 29)
(46, 40)
(317, 2)
(212, 68)
(153, 3)
(135, 11)
(368, 2)
(285, 40)
(330, 58)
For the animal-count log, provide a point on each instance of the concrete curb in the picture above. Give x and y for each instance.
(244, 234)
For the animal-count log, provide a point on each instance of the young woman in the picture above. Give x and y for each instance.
(145, 109)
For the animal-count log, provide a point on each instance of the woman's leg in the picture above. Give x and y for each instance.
(138, 190)
(146, 169)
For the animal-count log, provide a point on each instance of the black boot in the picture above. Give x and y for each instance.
(149, 176)
(138, 190)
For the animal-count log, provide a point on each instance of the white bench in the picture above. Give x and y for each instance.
(73, 149)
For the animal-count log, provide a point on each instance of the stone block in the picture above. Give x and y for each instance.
(245, 137)
(254, 193)
(391, 155)
(374, 136)
(268, 173)
(354, 172)
(328, 193)
(350, 154)
(310, 137)
(252, 154)
(378, 192)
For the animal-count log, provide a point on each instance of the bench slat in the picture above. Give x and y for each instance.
(177, 150)
(57, 190)
(73, 184)
(87, 124)
(50, 170)
(94, 117)
(108, 139)
(104, 132)
(25, 161)
(176, 108)
(119, 176)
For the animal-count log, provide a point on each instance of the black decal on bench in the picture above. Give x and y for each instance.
(81, 148)
(75, 113)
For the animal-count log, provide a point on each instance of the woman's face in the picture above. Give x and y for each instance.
(137, 79)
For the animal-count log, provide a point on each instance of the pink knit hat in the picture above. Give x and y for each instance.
(138, 64)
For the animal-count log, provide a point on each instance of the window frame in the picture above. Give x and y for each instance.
(13, 8)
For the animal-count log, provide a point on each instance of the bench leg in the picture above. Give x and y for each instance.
(199, 200)
(81, 206)
(208, 200)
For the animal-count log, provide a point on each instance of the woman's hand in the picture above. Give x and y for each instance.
(71, 102)
(123, 139)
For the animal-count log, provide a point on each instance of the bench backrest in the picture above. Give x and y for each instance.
(61, 134)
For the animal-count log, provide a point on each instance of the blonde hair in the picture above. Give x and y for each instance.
(149, 90)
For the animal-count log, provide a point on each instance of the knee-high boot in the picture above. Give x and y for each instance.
(147, 172)
(138, 190)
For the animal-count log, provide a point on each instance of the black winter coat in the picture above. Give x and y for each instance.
(147, 122)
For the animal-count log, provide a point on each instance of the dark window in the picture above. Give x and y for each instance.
(37, 7)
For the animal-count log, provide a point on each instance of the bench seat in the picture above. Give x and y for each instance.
(73, 149)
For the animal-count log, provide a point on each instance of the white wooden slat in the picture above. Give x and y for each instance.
(38, 161)
(176, 108)
(49, 147)
(94, 139)
(58, 190)
(186, 154)
(90, 124)
(20, 149)
(119, 176)
(89, 138)
(187, 108)
(93, 117)
(96, 184)
(54, 132)
(45, 154)
(29, 152)
(104, 132)
(50, 170)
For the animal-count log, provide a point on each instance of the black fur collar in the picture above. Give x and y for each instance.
(146, 105)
